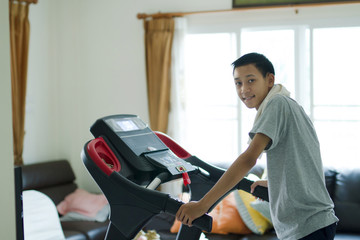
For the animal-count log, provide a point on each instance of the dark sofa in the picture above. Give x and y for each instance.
(56, 179)
(343, 187)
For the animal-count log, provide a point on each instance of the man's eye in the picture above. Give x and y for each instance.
(251, 80)
(238, 83)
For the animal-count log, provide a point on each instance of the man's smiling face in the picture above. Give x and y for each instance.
(251, 86)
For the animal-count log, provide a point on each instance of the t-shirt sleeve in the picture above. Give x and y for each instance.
(272, 121)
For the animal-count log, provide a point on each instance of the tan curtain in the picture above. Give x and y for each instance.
(19, 45)
(158, 43)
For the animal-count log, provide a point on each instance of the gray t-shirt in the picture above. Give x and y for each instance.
(299, 201)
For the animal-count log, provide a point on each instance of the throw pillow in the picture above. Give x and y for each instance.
(256, 222)
(82, 202)
(263, 208)
(101, 216)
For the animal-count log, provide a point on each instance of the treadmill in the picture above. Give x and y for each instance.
(129, 161)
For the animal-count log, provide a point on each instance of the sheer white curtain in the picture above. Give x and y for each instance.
(176, 115)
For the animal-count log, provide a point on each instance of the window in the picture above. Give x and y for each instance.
(210, 98)
(278, 46)
(316, 62)
(336, 85)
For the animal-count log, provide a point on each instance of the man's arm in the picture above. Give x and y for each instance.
(237, 171)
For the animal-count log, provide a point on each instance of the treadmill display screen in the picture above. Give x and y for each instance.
(127, 125)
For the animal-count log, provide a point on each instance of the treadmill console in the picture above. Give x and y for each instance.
(138, 144)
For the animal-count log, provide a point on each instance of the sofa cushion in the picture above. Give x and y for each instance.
(55, 179)
(74, 235)
(330, 180)
(347, 200)
(47, 174)
(92, 230)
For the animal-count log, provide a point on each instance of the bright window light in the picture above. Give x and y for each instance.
(336, 94)
(210, 97)
(319, 66)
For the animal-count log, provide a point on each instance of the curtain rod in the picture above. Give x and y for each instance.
(182, 14)
(27, 1)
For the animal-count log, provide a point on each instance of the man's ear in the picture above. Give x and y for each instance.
(271, 79)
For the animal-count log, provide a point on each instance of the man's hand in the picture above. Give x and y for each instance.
(188, 212)
(263, 183)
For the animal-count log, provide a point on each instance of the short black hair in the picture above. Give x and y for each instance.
(259, 60)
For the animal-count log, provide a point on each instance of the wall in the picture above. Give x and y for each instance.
(86, 61)
(7, 202)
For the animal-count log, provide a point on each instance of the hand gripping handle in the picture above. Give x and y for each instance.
(259, 191)
(204, 222)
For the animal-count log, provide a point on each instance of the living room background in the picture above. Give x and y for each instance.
(87, 60)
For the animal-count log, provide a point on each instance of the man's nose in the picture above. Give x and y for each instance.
(244, 88)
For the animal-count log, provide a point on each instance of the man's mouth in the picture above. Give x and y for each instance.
(246, 99)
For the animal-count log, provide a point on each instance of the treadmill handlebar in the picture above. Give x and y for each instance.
(215, 174)
(204, 222)
(259, 191)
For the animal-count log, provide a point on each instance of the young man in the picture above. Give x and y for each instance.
(300, 205)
